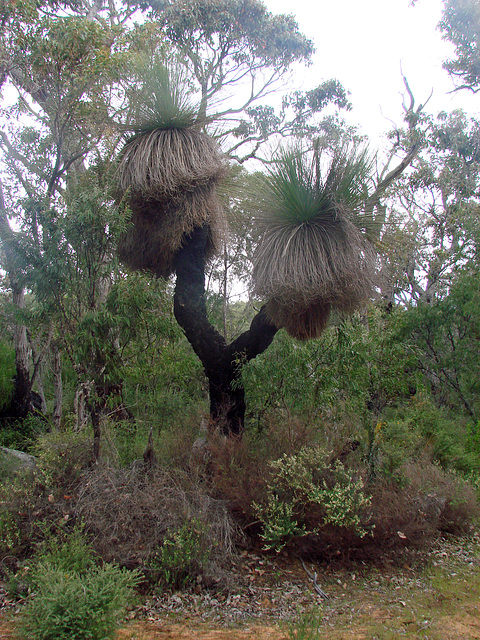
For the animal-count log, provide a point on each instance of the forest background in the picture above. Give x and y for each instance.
(368, 433)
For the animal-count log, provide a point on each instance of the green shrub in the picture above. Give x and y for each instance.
(61, 457)
(306, 483)
(69, 553)
(20, 434)
(9, 532)
(182, 555)
(44, 499)
(77, 606)
(305, 627)
(66, 551)
(420, 428)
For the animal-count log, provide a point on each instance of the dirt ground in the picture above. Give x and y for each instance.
(278, 599)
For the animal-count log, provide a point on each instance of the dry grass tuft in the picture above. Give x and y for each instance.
(170, 176)
(313, 256)
(159, 228)
(301, 322)
(163, 163)
(318, 260)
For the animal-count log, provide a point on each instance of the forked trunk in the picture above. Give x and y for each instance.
(222, 362)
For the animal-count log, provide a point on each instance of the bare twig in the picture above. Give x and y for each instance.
(313, 578)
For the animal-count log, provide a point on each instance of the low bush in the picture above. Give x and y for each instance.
(65, 551)
(62, 457)
(306, 493)
(182, 556)
(420, 429)
(180, 521)
(305, 627)
(408, 512)
(70, 597)
(42, 501)
(76, 606)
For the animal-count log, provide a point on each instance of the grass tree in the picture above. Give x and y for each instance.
(312, 256)
(170, 170)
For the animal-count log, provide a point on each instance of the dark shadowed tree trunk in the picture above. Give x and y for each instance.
(222, 362)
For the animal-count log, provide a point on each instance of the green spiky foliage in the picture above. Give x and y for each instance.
(170, 169)
(312, 257)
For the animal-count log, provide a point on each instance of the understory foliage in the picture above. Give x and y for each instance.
(302, 483)
(334, 485)
(73, 597)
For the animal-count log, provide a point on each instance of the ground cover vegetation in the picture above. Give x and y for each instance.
(334, 411)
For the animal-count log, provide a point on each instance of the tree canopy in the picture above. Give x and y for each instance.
(461, 26)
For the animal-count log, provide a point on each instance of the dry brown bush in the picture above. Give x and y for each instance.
(407, 513)
(444, 498)
(130, 512)
(236, 473)
(238, 469)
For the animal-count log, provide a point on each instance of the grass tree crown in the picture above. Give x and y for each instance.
(312, 256)
(170, 168)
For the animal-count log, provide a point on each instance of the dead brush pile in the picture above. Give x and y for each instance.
(133, 516)
(130, 514)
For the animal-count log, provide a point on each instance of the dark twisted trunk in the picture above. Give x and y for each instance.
(222, 362)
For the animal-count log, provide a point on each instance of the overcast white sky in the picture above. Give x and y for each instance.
(366, 44)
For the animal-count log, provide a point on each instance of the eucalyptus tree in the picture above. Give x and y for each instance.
(460, 25)
(237, 53)
(435, 209)
(59, 68)
(433, 256)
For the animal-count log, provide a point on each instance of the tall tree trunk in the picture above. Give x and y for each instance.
(222, 362)
(79, 404)
(95, 414)
(37, 376)
(225, 291)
